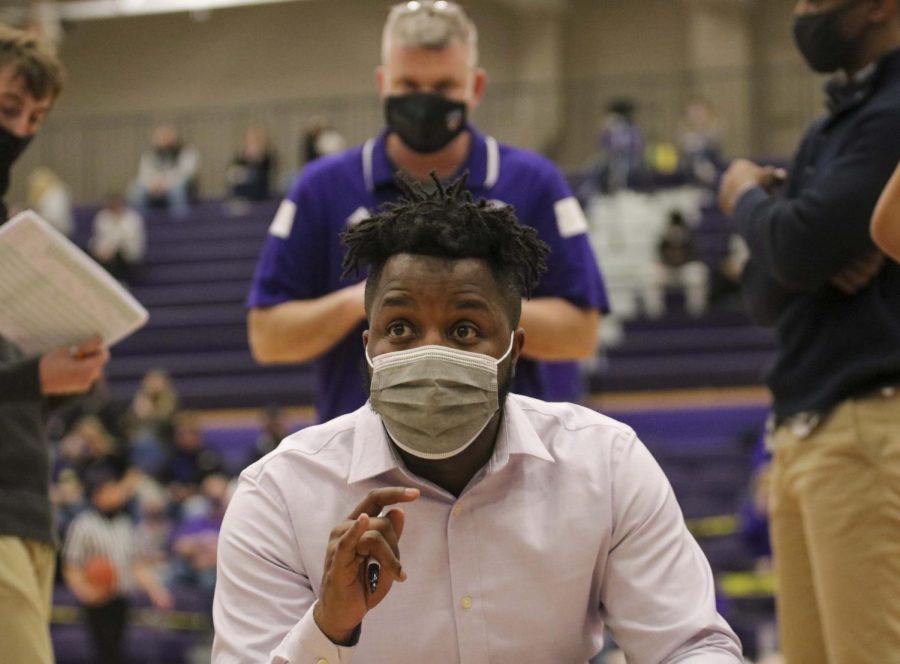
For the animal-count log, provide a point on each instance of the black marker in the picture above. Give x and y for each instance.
(373, 571)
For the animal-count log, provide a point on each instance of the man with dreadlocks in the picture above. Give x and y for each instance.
(526, 525)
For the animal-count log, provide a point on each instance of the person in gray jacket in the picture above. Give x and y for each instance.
(30, 80)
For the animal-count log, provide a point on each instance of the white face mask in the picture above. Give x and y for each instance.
(435, 401)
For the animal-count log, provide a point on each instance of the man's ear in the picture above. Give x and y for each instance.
(365, 338)
(479, 85)
(380, 80)
(518, 344)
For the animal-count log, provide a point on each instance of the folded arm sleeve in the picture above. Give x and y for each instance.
(658, 595)
(805, 240)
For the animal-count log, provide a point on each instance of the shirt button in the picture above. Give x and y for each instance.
(466, 602)
(321, 660)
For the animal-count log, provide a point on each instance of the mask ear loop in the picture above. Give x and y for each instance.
(512, 338)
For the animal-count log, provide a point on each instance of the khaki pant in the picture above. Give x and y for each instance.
(26, 588)
(835, 520)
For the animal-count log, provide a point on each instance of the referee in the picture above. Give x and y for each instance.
(101, 565)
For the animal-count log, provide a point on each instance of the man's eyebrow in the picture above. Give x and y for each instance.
(397, 300)
(476, 303)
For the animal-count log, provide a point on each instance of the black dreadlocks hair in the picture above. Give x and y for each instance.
(446, 222)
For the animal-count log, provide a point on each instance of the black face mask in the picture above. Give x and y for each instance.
(168, 154)
(425, 121)
(819, 39)
(11, 147)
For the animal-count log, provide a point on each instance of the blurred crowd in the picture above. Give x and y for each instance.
(170, 485)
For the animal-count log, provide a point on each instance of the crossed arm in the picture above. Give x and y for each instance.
(818, 237)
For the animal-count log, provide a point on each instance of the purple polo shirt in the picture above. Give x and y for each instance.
(301, 257)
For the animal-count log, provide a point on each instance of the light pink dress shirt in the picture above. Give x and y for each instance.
(570, 525)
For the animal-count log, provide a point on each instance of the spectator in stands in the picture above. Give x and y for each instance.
(155, 402)
(302, 309)
(726, 279)
(320, 139)
(150, 420)
(498, 487)
(102, 566)
(67, 496)
(96, 444)
(30, 80)
(814, 273)
(49, 196)
(118, 240)
(676, 266)
(190, 461)
(70, 454)
(700, 144)
(87, 444)
(167, 173)
(153, 530)
(621, 146)
(250, 172)
(886, 220)
(272, 432)
(195, 540)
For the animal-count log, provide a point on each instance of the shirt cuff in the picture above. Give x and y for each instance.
(306, 643)
(742, 190)
(748, 198)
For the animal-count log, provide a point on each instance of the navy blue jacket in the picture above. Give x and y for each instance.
(832, 346)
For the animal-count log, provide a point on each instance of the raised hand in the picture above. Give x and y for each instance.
(345, 597)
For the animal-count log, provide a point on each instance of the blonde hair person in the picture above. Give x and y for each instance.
(432, 25)
(886, 220)
(49, 196)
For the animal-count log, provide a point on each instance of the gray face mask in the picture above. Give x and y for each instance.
(435, 401)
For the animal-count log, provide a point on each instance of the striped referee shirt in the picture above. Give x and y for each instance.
(92, 534)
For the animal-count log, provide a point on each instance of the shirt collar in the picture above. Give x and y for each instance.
(483, 161)
(843, 93)
(516, 437)
(374, 455)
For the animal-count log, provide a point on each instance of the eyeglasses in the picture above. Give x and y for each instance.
(440, 6)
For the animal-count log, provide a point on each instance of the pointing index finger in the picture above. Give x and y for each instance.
(378, 499)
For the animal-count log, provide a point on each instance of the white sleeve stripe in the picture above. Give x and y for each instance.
(492, 170)
(570, 219)
(368, 176)
(284, 219)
